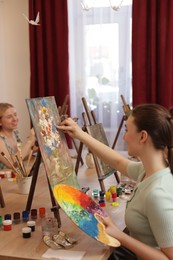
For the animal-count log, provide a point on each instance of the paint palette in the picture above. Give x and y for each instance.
(84, 212)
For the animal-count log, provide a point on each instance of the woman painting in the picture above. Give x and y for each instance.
(149, 211)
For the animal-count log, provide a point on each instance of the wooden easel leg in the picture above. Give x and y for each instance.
(77, 150)
(102, 186)
(118, 132)
(55, 207)
(34, 180)
(78, 158)
(117, 177)
(2, 202)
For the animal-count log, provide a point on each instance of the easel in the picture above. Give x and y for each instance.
(34, 173)
(63, 113)
(2, 202)
(63, 109)
(92, 122)
(126, 109)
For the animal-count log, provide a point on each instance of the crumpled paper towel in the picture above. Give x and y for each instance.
(64, 254)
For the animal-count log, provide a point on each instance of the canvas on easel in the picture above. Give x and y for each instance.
(96, 130)
(98, 133)
(52, 143)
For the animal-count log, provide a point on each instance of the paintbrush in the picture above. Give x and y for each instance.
(20, 166)
(20, 159)
(12, 166)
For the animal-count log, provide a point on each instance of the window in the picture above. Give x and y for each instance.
(100, 61)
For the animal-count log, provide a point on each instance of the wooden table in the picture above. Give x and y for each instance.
(14, 246)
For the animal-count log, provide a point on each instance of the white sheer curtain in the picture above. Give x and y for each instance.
(100, 61)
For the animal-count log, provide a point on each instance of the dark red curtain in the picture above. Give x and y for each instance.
(152, 52)
(49, 49)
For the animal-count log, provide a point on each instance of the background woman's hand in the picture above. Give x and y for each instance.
(31, 138)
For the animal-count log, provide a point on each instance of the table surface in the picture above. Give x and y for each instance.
(14, 246)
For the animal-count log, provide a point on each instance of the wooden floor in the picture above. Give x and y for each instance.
(13, 246)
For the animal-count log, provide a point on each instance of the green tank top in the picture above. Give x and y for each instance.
(10, 149)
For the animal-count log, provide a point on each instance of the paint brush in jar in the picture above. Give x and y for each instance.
(12, 166)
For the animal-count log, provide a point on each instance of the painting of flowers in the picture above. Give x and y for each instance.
(52, 142)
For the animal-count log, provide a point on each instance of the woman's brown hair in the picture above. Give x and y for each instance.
(157, 121)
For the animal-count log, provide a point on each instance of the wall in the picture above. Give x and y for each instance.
(14, 59)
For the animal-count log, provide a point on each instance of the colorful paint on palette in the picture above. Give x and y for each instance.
(83, 210)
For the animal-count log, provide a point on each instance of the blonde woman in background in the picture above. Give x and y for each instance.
(10, 142)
